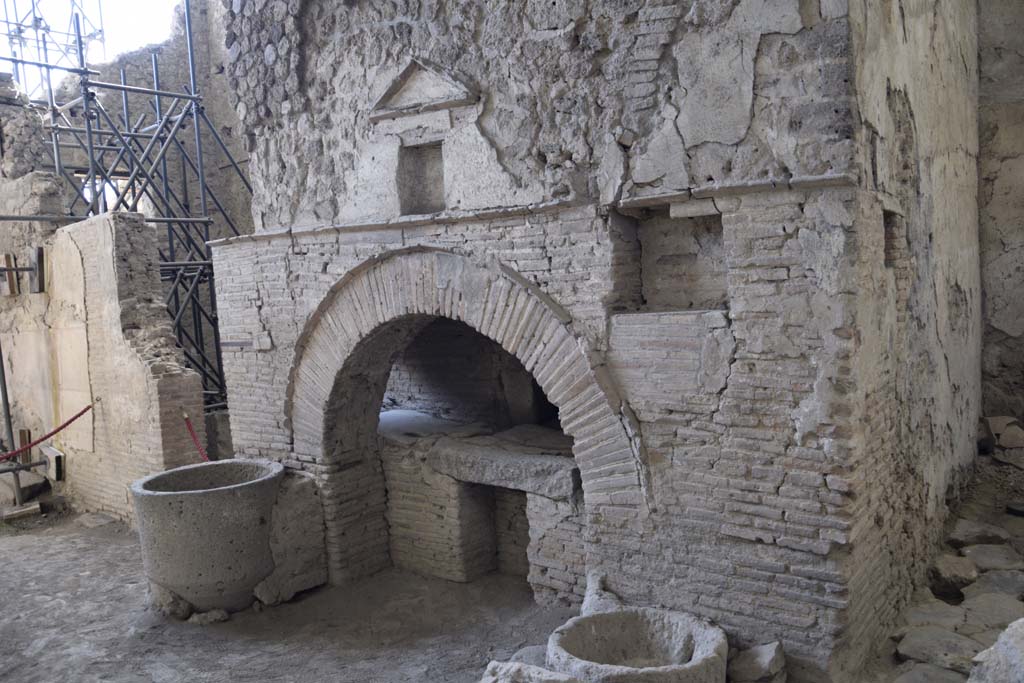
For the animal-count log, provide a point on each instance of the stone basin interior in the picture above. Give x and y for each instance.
(208, 476)
(632, 639)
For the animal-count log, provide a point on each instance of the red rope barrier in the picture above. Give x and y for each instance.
(30, 446)
(195, 439)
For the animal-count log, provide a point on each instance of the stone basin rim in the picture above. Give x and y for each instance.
(696, 622)
(271, 470)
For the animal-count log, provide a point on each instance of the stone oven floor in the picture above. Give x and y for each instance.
(72, 607)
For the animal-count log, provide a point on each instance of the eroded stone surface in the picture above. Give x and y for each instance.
(950, 573)
(296, 541)
(940, 647)
(518, 672)
(759, 663)
(968, 532)
(1004, 661)
(988, 557)
(1006, 582)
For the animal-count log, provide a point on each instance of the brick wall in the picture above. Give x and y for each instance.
(741, 414)
(513, 531)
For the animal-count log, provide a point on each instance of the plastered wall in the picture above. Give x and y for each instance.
(98, 335)
(1001, 202)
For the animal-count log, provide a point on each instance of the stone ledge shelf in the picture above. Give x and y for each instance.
(526, 458)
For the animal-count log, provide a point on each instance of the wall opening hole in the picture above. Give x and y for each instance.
(421, 179)
(895, 238)
(682, 263)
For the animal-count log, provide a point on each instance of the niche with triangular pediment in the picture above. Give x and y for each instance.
(420, 88)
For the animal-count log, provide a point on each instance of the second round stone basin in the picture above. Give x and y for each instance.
(205, 530)
(639, 645)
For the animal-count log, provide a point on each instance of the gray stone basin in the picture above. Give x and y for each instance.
(205, 530)
(639, 645)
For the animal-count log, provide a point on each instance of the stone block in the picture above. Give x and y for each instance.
(759, 663)
(296, 540)
(1004, 661)
(940, 647)
(518, 672)
(496, 462)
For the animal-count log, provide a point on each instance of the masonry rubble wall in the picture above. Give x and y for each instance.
(98, 334)
(732, 460)
(1001, 203)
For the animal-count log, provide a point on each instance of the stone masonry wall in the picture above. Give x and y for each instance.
(913, 377)
(768, 103)
(1001, 202)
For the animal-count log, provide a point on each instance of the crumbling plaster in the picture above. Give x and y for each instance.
(916, 367)
(98, 334)
(1001, 202)
(306, 75)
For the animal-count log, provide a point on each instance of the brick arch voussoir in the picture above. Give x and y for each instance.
(501, 305)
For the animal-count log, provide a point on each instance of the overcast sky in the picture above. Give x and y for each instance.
(127, 25)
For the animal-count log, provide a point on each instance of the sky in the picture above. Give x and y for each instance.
(127, 24)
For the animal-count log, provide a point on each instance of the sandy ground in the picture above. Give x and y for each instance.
(72, 608)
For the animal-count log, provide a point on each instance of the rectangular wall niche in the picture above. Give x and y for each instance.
(682, 263)
(421, 179)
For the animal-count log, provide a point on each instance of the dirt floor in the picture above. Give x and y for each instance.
(72, 608)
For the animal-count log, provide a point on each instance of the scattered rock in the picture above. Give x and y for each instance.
(760, 663)
(517, 672)
(1012, 437)
(1004, 661)
(950, 573)
(938, 646)
(1009, 582)
(928, 673)
(597, 598)
(989, 611)
(990, 557)
(169, 603)
(1011, 456)
(1016, 508)
(211, 617)
(997, 425)
(968, 532)
(935, 613)
(532, 654)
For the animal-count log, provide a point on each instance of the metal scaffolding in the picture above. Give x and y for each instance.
(32, 39)
(114, 159)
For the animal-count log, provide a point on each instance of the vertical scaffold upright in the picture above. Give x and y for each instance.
(115, 159)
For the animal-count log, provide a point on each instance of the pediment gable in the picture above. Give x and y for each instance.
(418, 88)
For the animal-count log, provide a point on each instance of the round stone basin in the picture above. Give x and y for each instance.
(205, 530)
(639, 645)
